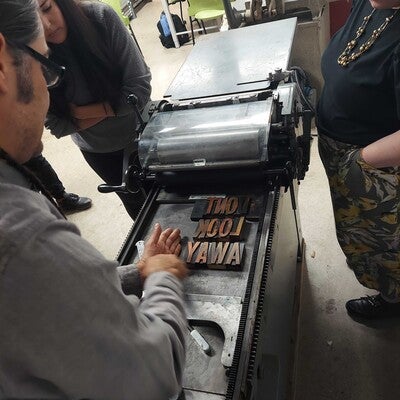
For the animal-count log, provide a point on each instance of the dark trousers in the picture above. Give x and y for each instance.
(109, 167)
(46, 174)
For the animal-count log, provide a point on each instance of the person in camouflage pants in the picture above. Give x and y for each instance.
(367, 213)
(358, 121)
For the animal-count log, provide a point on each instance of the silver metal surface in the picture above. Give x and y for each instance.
(204, 345)
(235, 61)
(224, 311)
(207, 137)
(243, 145)
(286, 93)
(204, 372)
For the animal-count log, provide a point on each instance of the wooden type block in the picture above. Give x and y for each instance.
(228, 206)
(191, 248)
(225, 228)
(222, 206)
(215, 255)
(217, 252)
(201, 230)
(238, 229)
(213, 228)
(233, 257)
(231, 253)
(202, 254)
(216, 229)
(210, 206)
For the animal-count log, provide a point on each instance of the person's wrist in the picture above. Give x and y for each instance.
(141, 263)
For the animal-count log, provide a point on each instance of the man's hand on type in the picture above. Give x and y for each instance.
(162, 262)
(160, 253)
(162, 242)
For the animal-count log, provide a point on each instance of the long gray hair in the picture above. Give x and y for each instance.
(19, 20)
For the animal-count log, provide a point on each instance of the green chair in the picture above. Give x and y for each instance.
(204, 10)
(116, 6)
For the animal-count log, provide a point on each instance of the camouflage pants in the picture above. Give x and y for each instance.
(366, 204)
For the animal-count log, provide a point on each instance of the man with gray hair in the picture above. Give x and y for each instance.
(66, 328)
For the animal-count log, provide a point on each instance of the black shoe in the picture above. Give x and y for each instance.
(71, 202)
(372, 307)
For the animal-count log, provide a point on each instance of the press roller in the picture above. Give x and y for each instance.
(207, 137)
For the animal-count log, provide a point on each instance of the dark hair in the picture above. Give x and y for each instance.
(86, 41)
(20, 25)
(19, 20)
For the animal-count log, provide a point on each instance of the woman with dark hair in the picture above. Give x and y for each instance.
(359, 144)
(103, 66)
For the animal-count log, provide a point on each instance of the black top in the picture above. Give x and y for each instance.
(360, 103)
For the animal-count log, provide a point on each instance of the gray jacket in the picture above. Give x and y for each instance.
(66, 328)
(113, 133)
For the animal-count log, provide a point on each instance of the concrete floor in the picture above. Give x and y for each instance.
(338, 358)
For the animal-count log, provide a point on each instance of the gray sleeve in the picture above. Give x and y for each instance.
(131, 281)
(59, 127)
(74, 328)
(136, 74)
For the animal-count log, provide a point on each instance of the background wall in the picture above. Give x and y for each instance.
(339, 11)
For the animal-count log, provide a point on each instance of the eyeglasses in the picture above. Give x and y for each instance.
(52, 72)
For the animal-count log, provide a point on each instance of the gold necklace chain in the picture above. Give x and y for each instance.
(347, 57)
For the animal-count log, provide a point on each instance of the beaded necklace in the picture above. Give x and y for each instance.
(347, 56)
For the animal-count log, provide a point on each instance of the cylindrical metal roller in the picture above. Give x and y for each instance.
(230, 145)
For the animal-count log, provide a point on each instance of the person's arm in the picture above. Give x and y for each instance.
(136, 74)
(91, 114)
(94, 110)
(59, 127)
(84, 117)
(160, 242)
(87, 123)
(384, 152)
(131, 281)
(76, 330)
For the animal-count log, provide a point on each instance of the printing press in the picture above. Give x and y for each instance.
(225, 152)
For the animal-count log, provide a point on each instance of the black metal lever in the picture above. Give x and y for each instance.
(103, 188)
(133, 100)
(131, 183)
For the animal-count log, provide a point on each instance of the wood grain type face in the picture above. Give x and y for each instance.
(217, 240)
